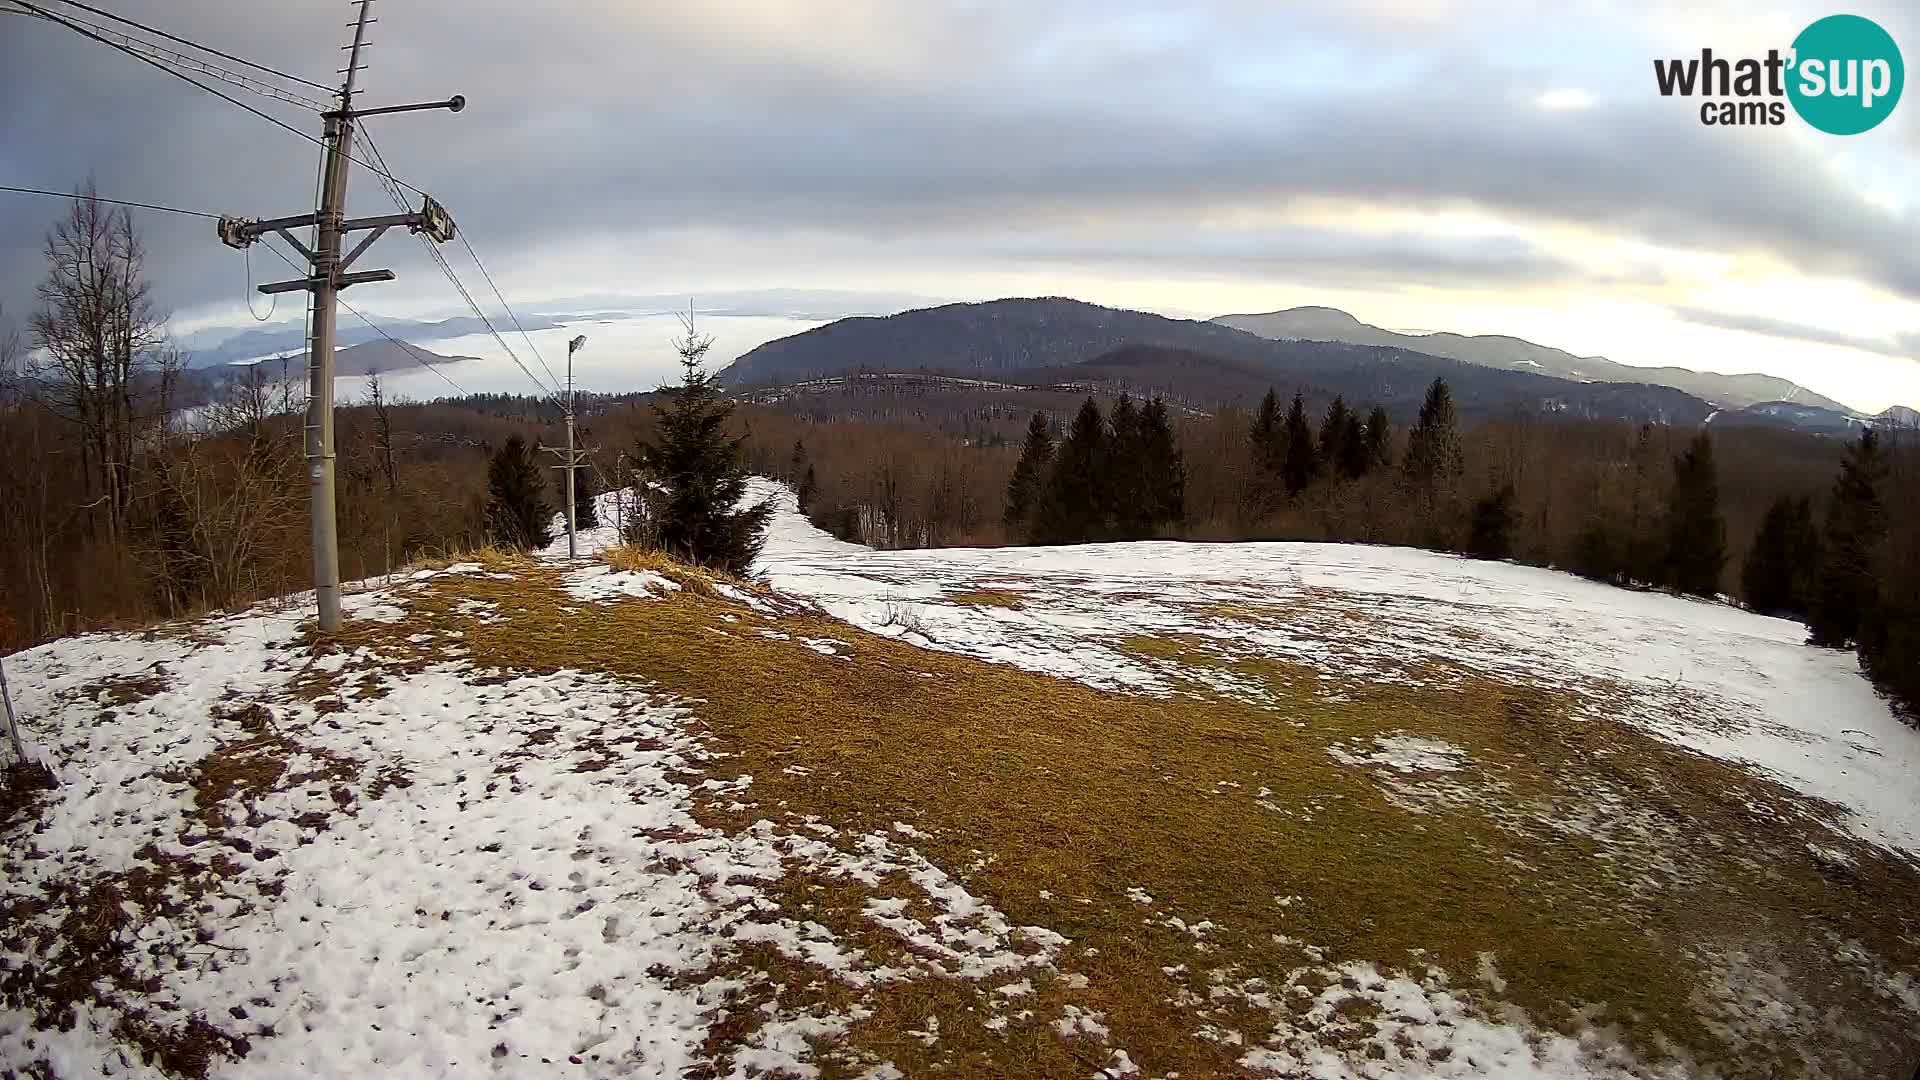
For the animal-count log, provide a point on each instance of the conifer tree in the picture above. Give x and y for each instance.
(808, 488)
(1267, 447)
(1433, 447)
(1599, 552)
(1696, 533)
(1379, 438)
(1644, 549)
(1491, 534)
(1029, 478)
(1166, 467)
(1071, 508)
(517, 513)
(1333, 431)
(696, 474)
(797, 462)
(1355, 459)
(1122, 480)
(1303, 458)
(1846, 593)
(586, 492)
(1784, 562)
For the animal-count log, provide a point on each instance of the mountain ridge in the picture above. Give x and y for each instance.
(1318, 323)
(1032, 339)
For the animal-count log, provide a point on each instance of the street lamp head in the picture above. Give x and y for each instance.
(576, 344)
(457, 102)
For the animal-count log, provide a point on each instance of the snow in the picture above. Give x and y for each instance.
(600, 583)
(1415, 1018)
(609, 509)
(1705, 675)
(457, 871)
(1405, 753)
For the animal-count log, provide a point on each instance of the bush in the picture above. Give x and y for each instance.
(1491, 536)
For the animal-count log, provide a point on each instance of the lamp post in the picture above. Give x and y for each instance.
(573, 456)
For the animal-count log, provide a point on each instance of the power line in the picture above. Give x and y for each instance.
(503, 303)
(230, 99)
(196, 45)
(102, 199)
(226, 75)
(409, 350)
(399, 200)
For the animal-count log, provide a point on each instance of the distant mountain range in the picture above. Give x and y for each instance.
(1499, 351)
(263, 344)
(1030, 341)
(1235, 358)
(367, 358)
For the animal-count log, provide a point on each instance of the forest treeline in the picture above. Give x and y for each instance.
(114, 511)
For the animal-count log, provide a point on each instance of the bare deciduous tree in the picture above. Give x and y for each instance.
(382, 429)
(101, 364)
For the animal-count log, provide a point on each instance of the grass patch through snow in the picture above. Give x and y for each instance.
(1597, 876)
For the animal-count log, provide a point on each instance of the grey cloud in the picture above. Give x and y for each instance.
(1900, 347)
(981, 128)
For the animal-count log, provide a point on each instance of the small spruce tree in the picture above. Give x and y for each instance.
(1303, 458)
(1333, 432)
(1029, 477)
(1267, 447)
(1696, 533)
(1433, 447)
(586, 495)
(1491, 535)
(1846, 592)
(1784, 562)
(1072, 508)
(1123, 474)
(808, 488)
(1354, 457)
(1165, 467)
(694, 472)
(1379, 439)
(517, 512)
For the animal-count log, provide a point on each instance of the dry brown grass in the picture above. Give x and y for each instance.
(1000, 598)
(1080, 794)
(698, 579)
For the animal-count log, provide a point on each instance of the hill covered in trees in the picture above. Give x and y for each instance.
(1049, 340)
(1502, 351)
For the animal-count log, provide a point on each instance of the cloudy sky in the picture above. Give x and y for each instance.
(1424, 164)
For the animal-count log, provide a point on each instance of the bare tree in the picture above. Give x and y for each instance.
(219, 511)
(13, 352)
(100, 340)
(382, 429)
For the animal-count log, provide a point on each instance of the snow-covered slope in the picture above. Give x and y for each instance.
(1705, 675)
(432, 847)
(366, 864)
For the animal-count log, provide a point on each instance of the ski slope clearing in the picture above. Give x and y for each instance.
(1708, 676)
(1102, 812)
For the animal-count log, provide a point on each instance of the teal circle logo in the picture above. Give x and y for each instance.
(1846, 75)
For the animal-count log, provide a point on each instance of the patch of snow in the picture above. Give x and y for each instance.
(1704, 675)
(538, 890)
(603, 584)
(1405, 753)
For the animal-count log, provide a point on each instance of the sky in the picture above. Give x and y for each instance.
(1424, 164)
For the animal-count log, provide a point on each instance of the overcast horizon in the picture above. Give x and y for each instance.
(1470, 167)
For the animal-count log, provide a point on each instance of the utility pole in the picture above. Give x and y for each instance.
(11, 722)
(571, 456)
(328, 278)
